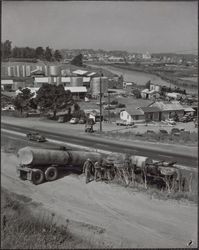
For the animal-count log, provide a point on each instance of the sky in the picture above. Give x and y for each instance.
(132, 26)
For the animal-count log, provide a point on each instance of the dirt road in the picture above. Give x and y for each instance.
(108, 213)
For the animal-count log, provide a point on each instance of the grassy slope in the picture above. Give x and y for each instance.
(20, 229)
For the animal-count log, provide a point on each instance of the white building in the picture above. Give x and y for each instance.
(146, 56)
(7, 84)
(131, 115)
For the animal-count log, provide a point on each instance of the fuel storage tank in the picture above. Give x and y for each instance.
(95, 85)
(54, 70)
(76, 81)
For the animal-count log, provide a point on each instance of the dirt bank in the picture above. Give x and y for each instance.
(112, 214)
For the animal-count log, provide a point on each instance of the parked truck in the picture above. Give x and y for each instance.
(38, 165)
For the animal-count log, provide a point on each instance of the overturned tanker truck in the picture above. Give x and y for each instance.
(38, 165)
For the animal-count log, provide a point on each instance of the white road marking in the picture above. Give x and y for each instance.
(91, 149)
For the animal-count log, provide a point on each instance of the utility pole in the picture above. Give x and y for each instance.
(108, 106)
(100, 103)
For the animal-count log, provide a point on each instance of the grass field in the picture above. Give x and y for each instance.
(21, 229)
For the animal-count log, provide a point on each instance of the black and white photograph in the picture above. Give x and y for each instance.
(99, 124)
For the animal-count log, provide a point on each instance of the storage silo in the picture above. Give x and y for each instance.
(54, 70)
(17, 73)
(95, 85)
(12, 71)
(76, 81)
(46, 70)
(63, 72)
(68, 72)
(23, 71)
(58, 80)
(28, 70)
(9, 71)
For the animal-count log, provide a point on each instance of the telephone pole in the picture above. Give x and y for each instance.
(101, 102)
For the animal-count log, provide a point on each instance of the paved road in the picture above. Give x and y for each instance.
(157, 153)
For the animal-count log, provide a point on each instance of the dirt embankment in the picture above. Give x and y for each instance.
(99, 212)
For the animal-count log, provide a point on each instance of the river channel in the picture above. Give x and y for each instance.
(140, 78)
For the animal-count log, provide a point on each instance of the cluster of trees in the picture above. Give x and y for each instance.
(77, 60)
(47, 54)
(49, 98)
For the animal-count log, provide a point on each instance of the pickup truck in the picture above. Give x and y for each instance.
(124, 123)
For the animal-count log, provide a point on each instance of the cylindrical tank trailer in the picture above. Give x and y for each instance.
(37, 165)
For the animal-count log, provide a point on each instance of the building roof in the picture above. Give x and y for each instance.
(80, 72)
(145, 91)
(134, 111)
(41, 79)
(92, 74)
(65, 79)
(150, 109)
(189, 109)
(37, 72)
(9, 81)
(168, 106)
(92, 111)
(86, 79)
(8, 94)
(76, 89)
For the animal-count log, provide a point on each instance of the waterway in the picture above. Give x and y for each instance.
(140, 78)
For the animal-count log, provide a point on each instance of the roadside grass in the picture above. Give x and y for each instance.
(190, 138)
(156, 189)
(20, 229)
(9, 145)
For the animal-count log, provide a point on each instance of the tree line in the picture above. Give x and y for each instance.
(41, 53)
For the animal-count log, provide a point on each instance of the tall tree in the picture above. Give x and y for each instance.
(22, 100)
(57, 55)
(48, 54)
(39, 53)
(6, 48)
(77, 60)
(53, 98)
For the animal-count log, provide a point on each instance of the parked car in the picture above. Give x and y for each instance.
(102, 102)
(150, 132)
(124, 123)
(61, 119)
(111, 106)
(82, 121)
(35, 136)
(187, 118)
(8, 107)
(163, 131)
(74, 121)
(170, 122)
(175, 130)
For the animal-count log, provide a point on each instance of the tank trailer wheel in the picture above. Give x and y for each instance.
(22, 176)
(51, 174)
(37, 176)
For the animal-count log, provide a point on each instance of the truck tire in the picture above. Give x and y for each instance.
(51, 174)
(22, 176)
(37, 176)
